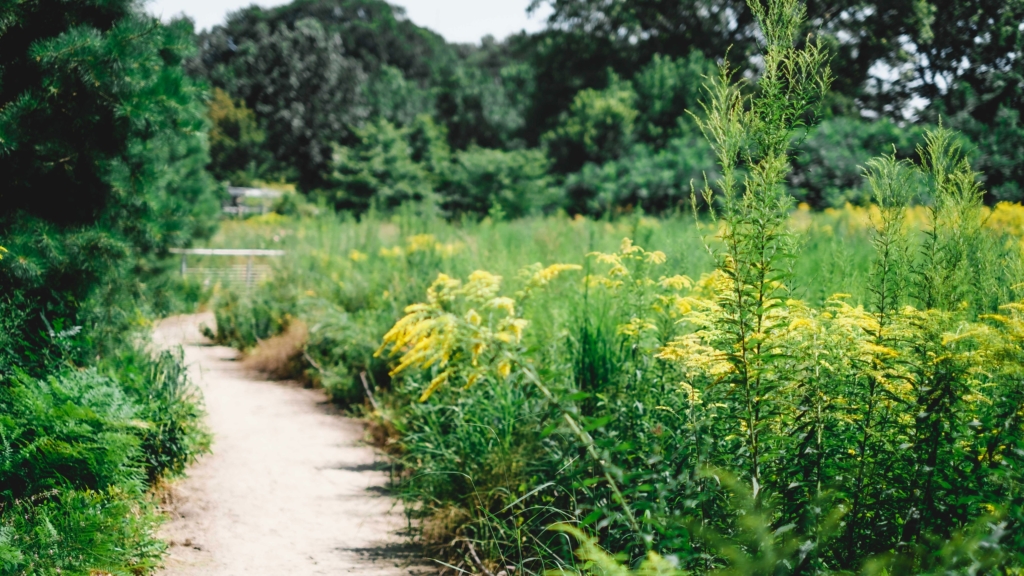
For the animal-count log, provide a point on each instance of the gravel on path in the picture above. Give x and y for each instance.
(289, 488)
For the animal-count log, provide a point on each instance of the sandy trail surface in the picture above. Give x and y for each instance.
(290, 488)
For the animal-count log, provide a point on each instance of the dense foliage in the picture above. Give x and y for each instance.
(103, 149)
(752, 388)
(614, 84)
(761, 391)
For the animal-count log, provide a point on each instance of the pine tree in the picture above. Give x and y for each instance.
(103, 152)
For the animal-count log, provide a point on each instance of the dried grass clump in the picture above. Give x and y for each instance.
(280, 357)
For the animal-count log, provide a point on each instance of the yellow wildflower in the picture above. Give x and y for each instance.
(635, 326)
(551, 272)
(605, 258)
(435, 384)
(448, 249)
(482, 286)
(676, 282)
(656, 257)
(504, 369)
(395, 252)
(357, 256)
(517, 326)
(420, 242)
(627, 247)
(503, 303)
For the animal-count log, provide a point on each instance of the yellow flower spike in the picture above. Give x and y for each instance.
(473, 317)
(472, 379)
(478, 349)
(800, 323)
(677, 282)
(548, 274)
(482, 286)
(627, 247)
(357, 256)
(635, 326)
(448, 249)
(2, 252)
(517, 327)
(618, 270)
(503, 303)
(420, 242)
(605, 258)
(395, 252)
(504, 369)
(656, 257)
(435, 384)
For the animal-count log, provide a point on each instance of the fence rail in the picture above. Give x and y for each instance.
(249, 273)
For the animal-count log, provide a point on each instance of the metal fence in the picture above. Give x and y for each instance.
(248, 273)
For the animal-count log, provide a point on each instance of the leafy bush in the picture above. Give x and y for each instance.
(517, 181)
(103, 146)
(391, 96)
(236, 140)
(667, 88)
(379, 171)
(80, 532)
(828, 166)
(656, 181)
(597, 128)
(477, 108)
(296, 77)
(722, 422)
(78, 450)
(104, 152)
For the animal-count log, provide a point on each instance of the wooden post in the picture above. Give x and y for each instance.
(184, 264)
(248, 271)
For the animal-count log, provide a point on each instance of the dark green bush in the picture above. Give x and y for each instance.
(655, 180)
(167, 402)
(828, 166)
(597, 128)
(82, 533)
(518, 181)
(379, 171)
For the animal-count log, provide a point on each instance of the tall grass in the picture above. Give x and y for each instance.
(760, 390)
(495, 463)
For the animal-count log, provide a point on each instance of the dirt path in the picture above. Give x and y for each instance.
(289, 488)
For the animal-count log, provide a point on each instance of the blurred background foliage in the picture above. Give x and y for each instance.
(608, 86)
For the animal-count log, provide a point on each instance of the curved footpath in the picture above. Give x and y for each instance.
(290, 488)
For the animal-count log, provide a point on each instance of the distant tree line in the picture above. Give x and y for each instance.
(357, 104)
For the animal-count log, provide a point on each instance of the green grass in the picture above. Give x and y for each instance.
(493, 463)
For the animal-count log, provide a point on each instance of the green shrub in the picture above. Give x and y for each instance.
(828, 166)
(392, 97)
(517, 181)
(167, 402)
(667, 88)
(78, 450)
(598, 127)
(380, 171)
(77, 431)
(236, 141)
(81, 532)
(654, 180)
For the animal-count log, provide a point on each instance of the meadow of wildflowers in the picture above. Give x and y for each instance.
(754, 389)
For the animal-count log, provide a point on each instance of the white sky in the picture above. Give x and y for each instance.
(456, 20)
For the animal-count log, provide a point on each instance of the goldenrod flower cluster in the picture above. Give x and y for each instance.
(465, 331)
(423, 243)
